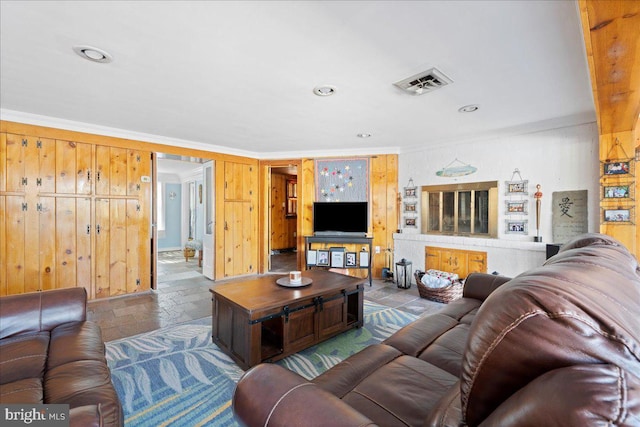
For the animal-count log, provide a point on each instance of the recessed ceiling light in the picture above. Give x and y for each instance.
(469, 108)
(93, 53)
(363, 135)
(324, 90)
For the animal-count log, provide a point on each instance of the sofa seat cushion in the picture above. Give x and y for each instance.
(28, 390)
(85, 382)
(23, 356)
(400, 393)
(74, 341)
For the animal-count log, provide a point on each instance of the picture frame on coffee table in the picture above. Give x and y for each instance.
(312, 257)
(337, 259)
(323, 258)
(350, 260)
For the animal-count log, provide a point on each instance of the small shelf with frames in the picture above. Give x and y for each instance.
(410, 205)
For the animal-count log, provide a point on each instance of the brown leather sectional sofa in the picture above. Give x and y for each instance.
(50, 354)
(558, 345)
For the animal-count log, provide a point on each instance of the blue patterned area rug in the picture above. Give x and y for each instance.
(176, 376)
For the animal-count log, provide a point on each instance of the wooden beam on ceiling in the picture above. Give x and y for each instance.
(611, 30)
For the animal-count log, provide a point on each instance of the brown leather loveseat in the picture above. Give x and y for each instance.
(50, 354)
(558, 345)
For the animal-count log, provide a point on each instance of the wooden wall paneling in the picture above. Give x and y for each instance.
(3, 162)
(84, 235)
(118, 172)
(220, 259)
(233, 238)
(3, 244)
(65, 167)
(73, 167)
(279, 226)
(118, 245)
(144, 228)
(15, 162)
(46, 178)
(47, 242)
(102, 249)
(249, 239)
(15, 245)
(103, 169)
(133, 245)
(306, 197)
(138, 165)
(66, 241)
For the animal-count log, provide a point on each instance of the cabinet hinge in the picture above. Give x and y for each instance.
(38, 182)
(137, 282)
(137, 187)
(88, 174)
(24, 207)
(98, 229)
(88, 229)
(98, 176)
(39, 144)
(39, 207)
(138, 208)
(138, 158)
(24, 181)
(24, 142)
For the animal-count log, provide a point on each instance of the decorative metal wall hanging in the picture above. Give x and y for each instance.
(451, 171)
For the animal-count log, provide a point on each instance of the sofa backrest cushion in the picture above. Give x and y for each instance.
(580, 307)
(41, 311)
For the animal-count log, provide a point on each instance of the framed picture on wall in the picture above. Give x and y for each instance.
(516, 207)
(616, 192)
(337, 259)
(617, 168)
(617, 215)
(516, 187)
(518, 226)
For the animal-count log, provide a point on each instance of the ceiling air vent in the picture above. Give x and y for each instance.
(424, 82)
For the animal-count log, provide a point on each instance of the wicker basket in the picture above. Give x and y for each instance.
(445, 294)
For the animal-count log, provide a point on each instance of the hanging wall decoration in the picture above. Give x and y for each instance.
(450, 170)
(342, 180)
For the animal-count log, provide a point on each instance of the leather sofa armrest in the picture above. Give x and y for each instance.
(270, 395)
(577, 395)
(480, 285)
(41, 311)
(85, 416)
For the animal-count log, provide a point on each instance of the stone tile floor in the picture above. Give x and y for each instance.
(183, 295)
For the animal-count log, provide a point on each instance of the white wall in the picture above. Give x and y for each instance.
(563, 159)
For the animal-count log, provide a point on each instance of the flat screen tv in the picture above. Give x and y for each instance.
(340, 218)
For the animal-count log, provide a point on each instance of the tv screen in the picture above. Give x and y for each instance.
(340, 218)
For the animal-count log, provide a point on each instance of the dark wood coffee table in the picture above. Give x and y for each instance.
(255, 320)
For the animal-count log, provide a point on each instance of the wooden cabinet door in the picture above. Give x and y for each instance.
(15, 160)
(300, 330)
(477, 262)
(279, 223)
(111, 171)
(3, 162)
(73, 167)
(138, 166)
(22, 245)
(332, 318)
(240, 181)
(73, 243)
(3, 245)
(238, 239)
(432, 259)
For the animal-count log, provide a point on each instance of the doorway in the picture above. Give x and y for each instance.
(283, 219)
(182, 193)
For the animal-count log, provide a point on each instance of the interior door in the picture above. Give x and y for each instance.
(209, 215)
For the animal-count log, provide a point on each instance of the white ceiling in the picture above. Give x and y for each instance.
(237, 76)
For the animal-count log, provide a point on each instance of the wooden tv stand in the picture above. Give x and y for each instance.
(256, 320)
